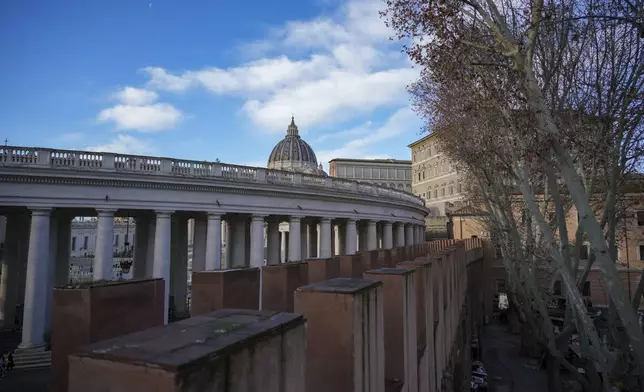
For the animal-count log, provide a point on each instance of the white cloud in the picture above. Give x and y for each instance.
(148, 118)
(136, 96)
(125, 144)
(350, 69)
(400, 122)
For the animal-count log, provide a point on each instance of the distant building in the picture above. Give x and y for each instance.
(434, 178)
(83, 237)
(393, 173)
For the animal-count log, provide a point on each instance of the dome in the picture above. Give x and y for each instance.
(294, 154)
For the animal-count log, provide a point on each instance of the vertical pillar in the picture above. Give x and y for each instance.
(313, 240)
(304, 239)
(355, 359)
(152, 232)
(341, 238)
(295, 240)
(199, 242)
(141, 234)
(325, 238)
(51, 271)
(230, 234)
(257, 241)
(33, 326)
(372, 235)
(387, 235)
(103, 261)
(161, 270)
(400, 235)
(283, 247)
(409, 234)
(351, 234)
(213, 242)
(179, 263)
(273, 241)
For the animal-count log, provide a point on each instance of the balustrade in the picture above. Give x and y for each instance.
(53, 158)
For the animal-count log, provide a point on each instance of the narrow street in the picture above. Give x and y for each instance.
(507, 370)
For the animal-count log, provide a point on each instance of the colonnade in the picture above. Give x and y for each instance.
(41, 237)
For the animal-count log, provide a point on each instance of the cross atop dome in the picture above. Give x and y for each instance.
(292, 128)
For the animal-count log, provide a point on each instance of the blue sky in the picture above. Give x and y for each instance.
(197, 79)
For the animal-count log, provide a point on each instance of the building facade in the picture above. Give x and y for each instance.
(434, 178)
(393, 173)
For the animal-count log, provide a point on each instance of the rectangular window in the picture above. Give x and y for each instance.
(451, 190)
(586, 291)
(443, 192)
(641, 252)
(116, 240)
(583, 252)
(435, 193)
(418, 176)
(459, 188)
(640, 218)
(85, 241)
(126, 243)
(73, 243)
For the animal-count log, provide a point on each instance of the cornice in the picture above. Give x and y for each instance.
(180, 184)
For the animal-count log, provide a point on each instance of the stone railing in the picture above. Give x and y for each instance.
(103, 161)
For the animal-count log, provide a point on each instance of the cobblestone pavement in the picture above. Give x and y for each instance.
(507, 370)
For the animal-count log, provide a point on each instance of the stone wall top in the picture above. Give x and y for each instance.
(186, 342)
(16, 156)
(341, 286)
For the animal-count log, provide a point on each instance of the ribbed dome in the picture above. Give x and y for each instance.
(293, 153)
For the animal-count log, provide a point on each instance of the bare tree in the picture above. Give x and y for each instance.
(556, 89)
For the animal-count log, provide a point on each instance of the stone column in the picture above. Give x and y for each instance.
(10, 275)
(313, 240)
(325, 238)
(304, 240)
(387, 235)
(51, 270)
(351, 234)
(295, 240)
(141, 234)
(409, 234)
(273, 241)
(33, 326)
(179, 263)
(341, 238)
(199, 243)
(161, 270)
(372, 235)
(103, 261)
(3, 229)
(152, 232)
(257, 241)
(400, 235)
(213, 242)
(283, 247)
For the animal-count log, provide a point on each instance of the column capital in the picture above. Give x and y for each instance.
(38, 211)
(164, 214)
(295, 218)
(387, 223)
(325, 220)
(371, 222)
(215, 215)
(106, 212)
(256, 217)
(352, 220)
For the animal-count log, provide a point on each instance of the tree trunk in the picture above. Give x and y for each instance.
(552, 370)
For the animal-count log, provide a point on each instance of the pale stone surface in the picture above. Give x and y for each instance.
(33, 327)
(213, 243)
(162, 254)
(103, 260)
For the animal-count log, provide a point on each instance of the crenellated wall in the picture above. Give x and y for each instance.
(405, 325)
